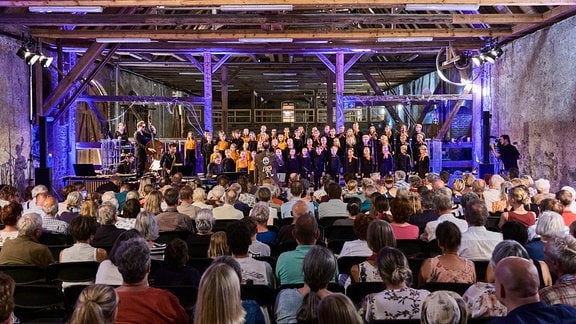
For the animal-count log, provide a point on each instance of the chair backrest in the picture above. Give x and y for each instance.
(413, 248)
(345, 263)
(415, 264)
(397, 321)
(201, 264)
(262, 294)
(186, 295)
(357, 291)
(327, 221)
(459, 288)
(198, 250)
(24, 273)
(338, 232)
(222, 224)
(167, 237)
(56, 249)
(273, 228)
(48, 238)
(71, 294)
(38, 301)
(480, 267)
(72, 271)
(336, 246)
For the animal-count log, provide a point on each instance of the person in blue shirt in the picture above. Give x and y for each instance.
(519, 293)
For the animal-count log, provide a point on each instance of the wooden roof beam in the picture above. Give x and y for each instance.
(215, 3)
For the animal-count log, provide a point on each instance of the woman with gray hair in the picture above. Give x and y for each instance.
(548, 225)
(204, 223)
(480, 298)
(73, 202)
(397, 300)
(260, 213)
(147, 225)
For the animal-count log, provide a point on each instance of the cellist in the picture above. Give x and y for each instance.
(142, 136)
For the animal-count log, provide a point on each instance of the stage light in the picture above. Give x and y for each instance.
(45, 61)
(32, 58)
(477, 60)
(23, 52)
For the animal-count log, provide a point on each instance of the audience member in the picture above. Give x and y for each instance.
(428, 213)
(518, 197)
(548, 225)
(199, 199)
(261, 213)
(227, 210)
(492, 193)
(289, 264)
(39, 194)
(519, 293)
(442, 307)
(542, 187)
(72, 207)
(379, 235)
(153, 202)
(218, 245)
(448, 267)
(264, 194)
(397, 300)
(108, 273)
(107, 233)
(560, 254)
(358, 247)
(82, 230)
(334, 207)
(253, 271)
(174, 271)
(299, 305)
(148, 227)
(171, 219)
(49, 221)
(25, 248)
(9, 216)
(219, 296)
(204, 222)
(129, 212)
(353, 207)
(443, 205)
(337, 309)
(566, 198)
(96, 304)
(138, 302)
(477, 242)
(256, 248)
(402, 208)
(7, 286)
(299, 208)
(186, 206)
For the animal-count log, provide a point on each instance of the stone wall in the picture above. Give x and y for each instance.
(14, 115)
(534, 101)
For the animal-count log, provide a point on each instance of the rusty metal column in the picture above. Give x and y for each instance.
(208, 92)
(329, 98)
(224, 83)
(339, 90)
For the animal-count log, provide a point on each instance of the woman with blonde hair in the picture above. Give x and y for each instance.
(153, 202)
(517, 197)
(337, 309)
(96, 304)
(219, 297)
(468, 180)
(218, 245)
(88, 208)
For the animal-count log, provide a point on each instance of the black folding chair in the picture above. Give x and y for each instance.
(186, 295)
(24, 273)
(71, 272)
(39, 301)
(357, 291)
(167, 237)
(345, 263)
(459, 288)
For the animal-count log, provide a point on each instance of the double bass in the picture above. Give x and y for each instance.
(154, 148)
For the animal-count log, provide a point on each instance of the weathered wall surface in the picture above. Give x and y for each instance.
(14, 112)
(534, 101)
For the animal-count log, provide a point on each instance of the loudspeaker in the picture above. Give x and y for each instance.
(486, 168)
(43, 176)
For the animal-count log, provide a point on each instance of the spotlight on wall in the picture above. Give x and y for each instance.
(487, 54)
(30, 57)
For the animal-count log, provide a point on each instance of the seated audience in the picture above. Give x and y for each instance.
(566, 198)
(49, 221)
(129, 212)
(358, 247)
(204, 222)
(218, 245)
(549, 224)
(289, 264)
(444, 306)
(448, 267)
(477, 242)
(353, 207)
(337, 309)
(174, 271)
(560, 255)
(25, 248)
(227, 210)
(518, 197)
(299, 305)
(9, 216)
(219, 296)
(186, 206)
(443, 205)
(148, 227)
(397, 300)
(153, 202)
(256, 248)
(299, 208)
(379, 235)
(334, 207)
(402, 207)
(140, 303)
(253, 271)
(380, 209)
(199, 199)
(108, 273)
(502, 204)
(519, 293)
(96, 304)
(261, 213)
(7, 287)
(542, 187)
(172, 219)
(72, 205)
(428, 213)
(82, 230)
(107, 232)
(264, 194)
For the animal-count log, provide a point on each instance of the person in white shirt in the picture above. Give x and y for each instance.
(358, 247)
(334, 207)
(444, 209)
(227, 211)
(477, 243)
(492, 194)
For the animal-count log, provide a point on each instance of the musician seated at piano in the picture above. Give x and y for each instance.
(215, 168)
(229, 164)
(125, 166)
(170, 159)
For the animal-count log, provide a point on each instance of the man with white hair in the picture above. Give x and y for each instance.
(227, 210)
(492, 193)
(25, 248)
(542, 187)
(560, 255)
(49, 221)
(39, 194)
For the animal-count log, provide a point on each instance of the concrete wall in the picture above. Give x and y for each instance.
(14, 112)
(534, 101)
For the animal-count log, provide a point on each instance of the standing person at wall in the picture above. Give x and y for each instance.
(506, 152)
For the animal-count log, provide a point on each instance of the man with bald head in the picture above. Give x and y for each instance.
(298, 209)
(517, 288)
